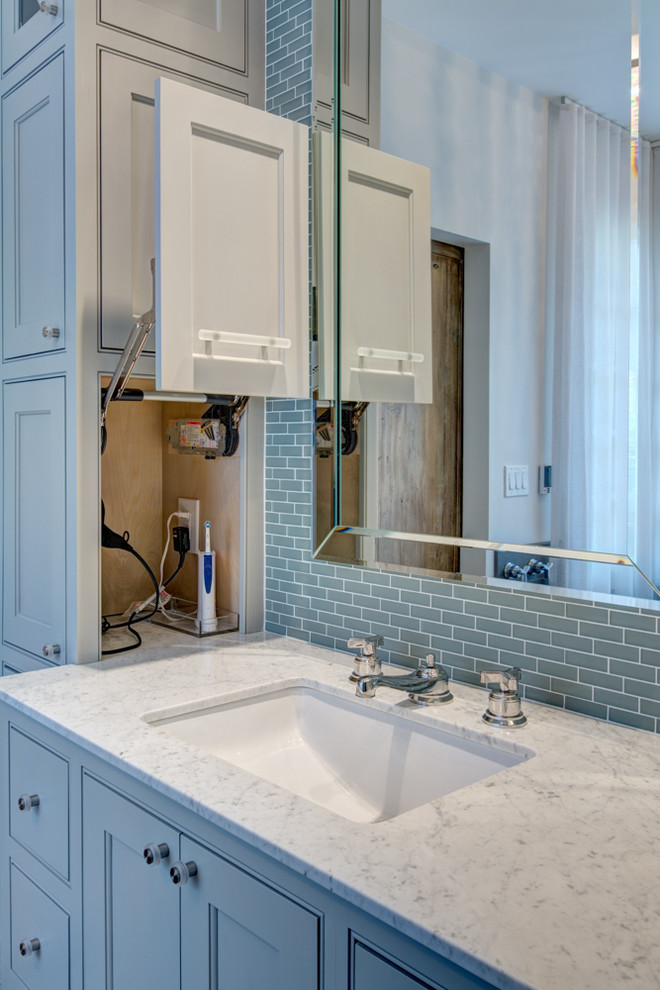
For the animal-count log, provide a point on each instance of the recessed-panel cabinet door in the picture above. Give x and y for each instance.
(127, 192)
(33, 235)
(131, 908)
(34, 524)
(24, 24)
(239, 933)
(385, 259)
(39, 936)
(216, 30)
(232, 300)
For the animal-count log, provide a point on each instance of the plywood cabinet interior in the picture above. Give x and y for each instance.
(232, 309)
(142, 480)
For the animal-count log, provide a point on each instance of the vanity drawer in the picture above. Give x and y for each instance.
(39, 801)
(39, 936)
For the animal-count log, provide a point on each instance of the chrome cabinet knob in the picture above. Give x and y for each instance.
(28, 801)
(182, 872)
(51, 650)
(47, 8)
(155, 852)
(50, 332)
(29, 945)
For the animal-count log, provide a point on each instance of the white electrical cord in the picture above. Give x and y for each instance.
(149, 600)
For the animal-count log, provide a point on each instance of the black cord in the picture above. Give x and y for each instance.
(135, 617)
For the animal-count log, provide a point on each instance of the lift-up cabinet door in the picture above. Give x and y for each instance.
(386, 345)
(231, 247)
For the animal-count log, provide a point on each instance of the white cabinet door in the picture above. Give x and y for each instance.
(215, 30)
(24, 24)
(33, 234)
(240, 933)
(127, 191)
(385, 263)
(34, 524)
(232, 302)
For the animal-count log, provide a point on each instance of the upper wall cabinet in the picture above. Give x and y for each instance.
(215, 30)
(33, 214)
(232, 301)
(127, 190)
(386, 329)
(24, 24)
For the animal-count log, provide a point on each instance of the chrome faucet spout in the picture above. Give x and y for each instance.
(428, 685)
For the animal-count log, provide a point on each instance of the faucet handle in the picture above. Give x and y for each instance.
(507, 679)
(367, 644)
(504, 706)
(369, 661)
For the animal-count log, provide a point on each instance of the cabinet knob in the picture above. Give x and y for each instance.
(47, 8)
(50, 332)
(29, 945)
(182, 872)
(51, 650)
(154, 852)
(28, 801)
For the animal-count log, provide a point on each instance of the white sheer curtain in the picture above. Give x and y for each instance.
(644, 541)
(589, 220)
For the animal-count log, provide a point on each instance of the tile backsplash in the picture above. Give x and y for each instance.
(599, 660)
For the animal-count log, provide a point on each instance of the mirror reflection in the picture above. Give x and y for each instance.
(542, 426)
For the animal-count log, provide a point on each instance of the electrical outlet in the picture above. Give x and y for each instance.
(191, 505)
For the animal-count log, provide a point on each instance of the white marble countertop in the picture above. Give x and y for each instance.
(546, 875)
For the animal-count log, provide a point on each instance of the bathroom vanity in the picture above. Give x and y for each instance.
(542, 873)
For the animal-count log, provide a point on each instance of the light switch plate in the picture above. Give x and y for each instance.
(516, 480)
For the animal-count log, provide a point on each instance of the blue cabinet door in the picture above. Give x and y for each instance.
(131, 909)
(25, 24)
(240, 933)
(34, 524)
(33, 208)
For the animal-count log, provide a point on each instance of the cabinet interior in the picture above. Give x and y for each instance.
(142, 478)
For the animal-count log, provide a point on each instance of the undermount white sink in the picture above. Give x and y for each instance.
(354, 759)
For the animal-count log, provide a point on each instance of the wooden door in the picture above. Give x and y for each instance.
(34, 517)
(420, 448)
(239, 932)
(131, 910)
(33, 231)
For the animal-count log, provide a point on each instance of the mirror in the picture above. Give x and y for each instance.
(540, 433)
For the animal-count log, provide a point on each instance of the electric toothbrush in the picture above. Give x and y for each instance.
(206, 614)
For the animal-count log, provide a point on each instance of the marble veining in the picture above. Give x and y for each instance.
(545, 875)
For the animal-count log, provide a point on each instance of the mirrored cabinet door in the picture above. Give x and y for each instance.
(25, 23)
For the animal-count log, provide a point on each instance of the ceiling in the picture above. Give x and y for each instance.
(575, 48)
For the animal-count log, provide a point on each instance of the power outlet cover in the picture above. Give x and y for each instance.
(191, 505)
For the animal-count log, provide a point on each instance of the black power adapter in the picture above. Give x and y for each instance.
(181, 539)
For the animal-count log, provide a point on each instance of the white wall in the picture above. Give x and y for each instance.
(485, 141)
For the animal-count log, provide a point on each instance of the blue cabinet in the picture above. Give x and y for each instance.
(33, 208)
(34, 517)
(131, 936)
(220, 927)
(239, 932)
(25, 24)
